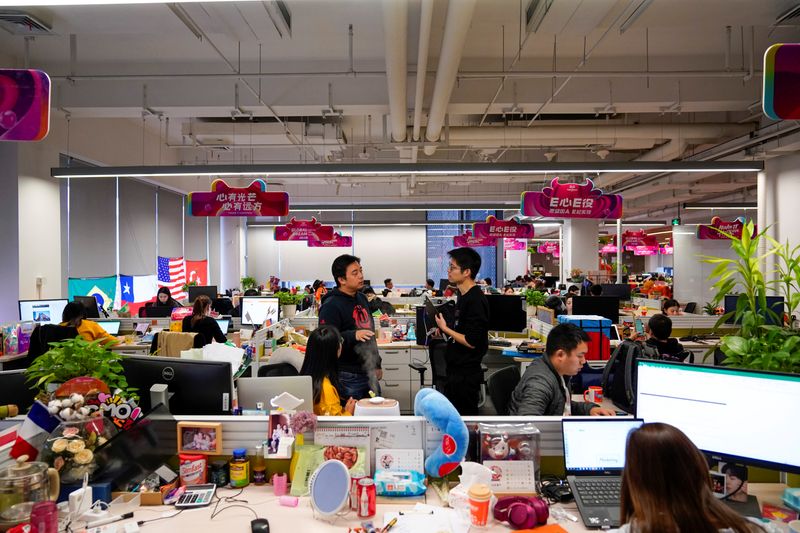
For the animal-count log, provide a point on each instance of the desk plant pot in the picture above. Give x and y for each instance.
(289, 303)
(288, 310)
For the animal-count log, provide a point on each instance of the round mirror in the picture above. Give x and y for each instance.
(330, 487)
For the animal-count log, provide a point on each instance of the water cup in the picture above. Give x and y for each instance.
(593, 394)
(479, 498)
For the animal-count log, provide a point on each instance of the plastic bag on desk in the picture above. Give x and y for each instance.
(471, 473)
(222, 352)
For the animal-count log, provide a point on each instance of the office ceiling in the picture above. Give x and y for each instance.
(590, 80)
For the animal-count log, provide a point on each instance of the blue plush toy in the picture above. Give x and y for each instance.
(441, 413)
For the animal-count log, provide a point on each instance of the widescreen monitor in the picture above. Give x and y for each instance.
(620, 290)
(197, 387)
(90, 304)
(42, 311)
(257, 309)
(605, 306)
(196, 290)
(775, 303)
(155, 311)
(507, 313)
(733, 415)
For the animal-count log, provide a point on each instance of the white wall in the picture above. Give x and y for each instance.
(39, 238)
(653, 262)
(691, 283)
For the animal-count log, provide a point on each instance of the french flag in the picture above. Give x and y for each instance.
(34, 432)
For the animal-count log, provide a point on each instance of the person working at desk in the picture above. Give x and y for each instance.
(74, 314)
(201, 322)
(659, 329)
(671, 307)
(544, 389)
(657, 497)
(596, 290)
(574, 290)
(469, 337)
(347, 309)
(322, 363)
(164, 299)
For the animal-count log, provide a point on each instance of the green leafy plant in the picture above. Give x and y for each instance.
(248, 282)
(287, 298)
(187, 285)
(78, 357)
(534, 297)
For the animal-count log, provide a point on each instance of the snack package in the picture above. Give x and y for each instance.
(192, 469)
(400, 483)
(510, 442)
(310, 456)
(24, 332)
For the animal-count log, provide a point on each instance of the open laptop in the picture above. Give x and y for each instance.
(111, 326)
(252, 391)
(594, 456)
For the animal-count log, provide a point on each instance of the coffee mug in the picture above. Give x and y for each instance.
(593, 394)
(794, 526)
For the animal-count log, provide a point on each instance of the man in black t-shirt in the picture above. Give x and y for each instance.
(469, 338)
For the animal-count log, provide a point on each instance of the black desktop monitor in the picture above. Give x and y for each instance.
(605, 306)
(507, 313)
(90, 304)
(775, 303)
(197, 290)
(443, 284)
(42, 311)
(199, 387)
(620, 290)
(155, 311)
(15, 390)
(550, 281)
(733, 415)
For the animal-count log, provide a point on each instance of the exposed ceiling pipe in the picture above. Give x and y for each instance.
(395, 30)
(668, 151)
(459, 17)
(425, 17)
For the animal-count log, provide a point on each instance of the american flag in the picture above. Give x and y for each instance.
(172, 274)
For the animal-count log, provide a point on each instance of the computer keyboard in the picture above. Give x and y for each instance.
(599, 491)
(499, 342)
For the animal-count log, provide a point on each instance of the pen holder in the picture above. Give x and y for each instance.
(279, 484)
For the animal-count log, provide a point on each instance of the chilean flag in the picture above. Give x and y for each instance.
(136, 291)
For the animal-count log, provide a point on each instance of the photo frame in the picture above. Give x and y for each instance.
(280, 437)
(200, 437)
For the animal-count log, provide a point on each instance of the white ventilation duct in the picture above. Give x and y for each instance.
(668, 151)
(425, 17)
(459, 16)
(395, 29)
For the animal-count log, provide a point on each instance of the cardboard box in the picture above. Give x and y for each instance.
(147, 498)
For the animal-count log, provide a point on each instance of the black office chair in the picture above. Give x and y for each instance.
(436, 355)
(41, 337)
(691, 307)
(500, 385)
(277, 370)
(14, 389)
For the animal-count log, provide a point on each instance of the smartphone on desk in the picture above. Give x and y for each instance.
(639, 326)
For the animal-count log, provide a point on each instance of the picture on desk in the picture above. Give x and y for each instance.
(735, 481)
(200, 437)
(280, 438)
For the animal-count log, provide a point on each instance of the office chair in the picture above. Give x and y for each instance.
(500, 385)
(14, 389)
(198, 342)
(277, 370)
(41, 337)
(691, 307)
(436, 355)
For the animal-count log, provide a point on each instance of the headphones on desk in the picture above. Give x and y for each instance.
(521, 512)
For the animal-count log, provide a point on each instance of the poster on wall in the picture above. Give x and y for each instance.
(470, 240)
(571, 200)
(24, 105)
(495, 228)
(226, 201)
(718, 228)
(781, 82)
(303, 230)
(338, 241)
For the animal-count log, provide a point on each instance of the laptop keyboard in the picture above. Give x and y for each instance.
(599, 491)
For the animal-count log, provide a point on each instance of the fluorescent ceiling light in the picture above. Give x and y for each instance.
(732, 206)
(406, 169)
(643, 223)
(433, 206)
(661, 233)
(55, 3)
(643, 5)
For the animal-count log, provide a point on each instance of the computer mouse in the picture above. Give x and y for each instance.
(259, 525)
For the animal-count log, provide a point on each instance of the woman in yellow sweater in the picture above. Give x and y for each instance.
(321, 363)
(74, 314)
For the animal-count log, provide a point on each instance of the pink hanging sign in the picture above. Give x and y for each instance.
(303, 230)
(666, 250)
(494, 228)
(515, 244)
(226, 201)
(609, 249)
(571, 200)
(24, 105)
(632, 239)
(472, 241)
(645, 250)
(712, 231)
(338, 241)
(549, 248)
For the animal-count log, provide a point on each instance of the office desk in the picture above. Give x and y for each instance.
(11, 357)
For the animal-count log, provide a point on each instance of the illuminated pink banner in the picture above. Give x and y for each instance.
(338, 241)
(515, 244)
(633, 239)
(571, 200)
(303, 230)
(24, 105)
(549, 248)
(250, 201)
(666, 250)
(712, 231)
(645, 250)
(494, 228)
(609, 249)
(468, 239)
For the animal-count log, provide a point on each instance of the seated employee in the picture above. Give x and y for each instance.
(430, 286)
(659, 329)
(671, 307)
(164, 299)
(376, 304)
(574, 290)
(322, 363)
(201, 322)
(596, 290)
(74, 314)
(544, 389)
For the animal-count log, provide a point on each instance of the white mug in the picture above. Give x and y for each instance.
(794, 526)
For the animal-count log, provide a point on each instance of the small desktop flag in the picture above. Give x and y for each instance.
(135, 291)
(172, 275)
(34, 431)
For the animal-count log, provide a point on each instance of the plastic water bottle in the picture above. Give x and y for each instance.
(412, 334)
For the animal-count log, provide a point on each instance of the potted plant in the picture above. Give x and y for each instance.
(533, 298)
(289, 303)
(186, 286)
(576, 275)
(248, 282)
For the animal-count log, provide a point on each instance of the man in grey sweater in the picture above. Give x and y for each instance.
(544, 388)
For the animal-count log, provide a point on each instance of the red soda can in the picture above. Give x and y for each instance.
(366, 498)
(354, 492)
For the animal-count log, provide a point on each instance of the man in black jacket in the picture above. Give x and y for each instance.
(469, 337)
(659, 329)
(347, 309)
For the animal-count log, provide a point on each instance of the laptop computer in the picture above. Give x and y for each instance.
(252, 391)
(111, 326)
(594, 456)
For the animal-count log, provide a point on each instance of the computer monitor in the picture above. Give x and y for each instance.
(252, 391)
(111, 326)
(196, 290)
(155, 311)
(223, 324)
(507, 313)
(550, 281)
(90, 304)
(443, 284)
(620, 290)
(605, 306)
(733, 415)
(257, 309)
(42, 311)
(199, 387)
(14, 389)
(775, 303)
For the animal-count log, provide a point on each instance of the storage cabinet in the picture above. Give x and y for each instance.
(399, 381)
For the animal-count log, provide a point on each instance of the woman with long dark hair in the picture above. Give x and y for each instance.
(322, 363)
(666, 487)
(201, 322)
(164, 299)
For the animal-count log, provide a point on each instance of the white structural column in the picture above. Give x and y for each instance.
(580, 245)
(778, 191)
(231, 252)
(9, 237)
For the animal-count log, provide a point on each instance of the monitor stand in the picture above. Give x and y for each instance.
(748, 508)
(159, 398)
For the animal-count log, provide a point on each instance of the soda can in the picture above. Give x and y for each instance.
(366, 497)
(354, 492)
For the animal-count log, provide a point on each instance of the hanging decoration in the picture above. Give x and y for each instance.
(494, 228)
(781, 86)
(472, 241)
(303, 230)
(571, 200)
(338, 241)
(550, 247)
(226, 201)
(24, 105)
(718, 229)
(515, 244)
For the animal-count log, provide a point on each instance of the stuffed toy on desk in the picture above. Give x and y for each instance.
(440, 412)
